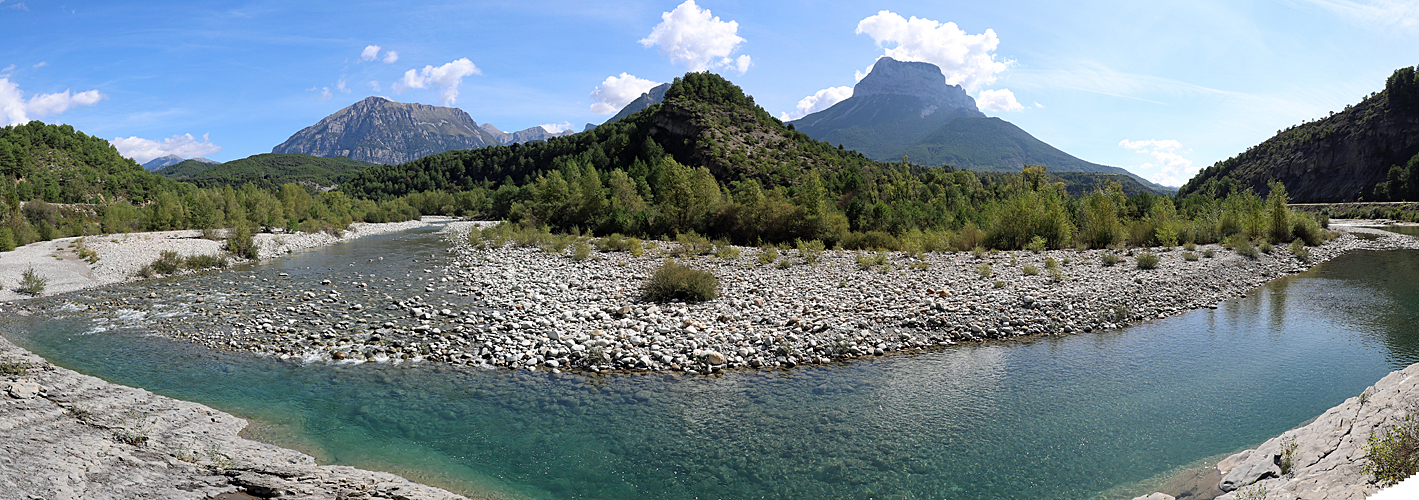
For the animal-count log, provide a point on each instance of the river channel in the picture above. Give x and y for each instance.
(1095, 415)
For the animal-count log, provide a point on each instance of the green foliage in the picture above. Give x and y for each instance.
(725, 251)
(1108, 259)
(580, 251)
(768, 254)
(1392, 456)
(810, 251)
(1146, 260)
(869, 261)
(1288, 455)
(31, 283)
(1208, 253)
(1189, 256)
(240, 244)
(168, 262)
(201, 262)
(694, 244)
(1298, 248)
(984, 270)
(1036, 245)
(268, 171)
(7, 239)
(673, 281)
(1030, 270)
(14, 369)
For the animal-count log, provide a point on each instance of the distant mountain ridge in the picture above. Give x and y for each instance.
(526, 135)
(907, 109)
(653, 96)
(268, 171)
(1367, 152)
(162, 162)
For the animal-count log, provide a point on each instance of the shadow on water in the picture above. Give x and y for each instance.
(1086, 416)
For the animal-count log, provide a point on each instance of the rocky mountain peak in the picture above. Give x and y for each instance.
(917, 79)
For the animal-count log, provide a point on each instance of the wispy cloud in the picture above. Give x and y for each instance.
(1387, 14)
(1168, 167)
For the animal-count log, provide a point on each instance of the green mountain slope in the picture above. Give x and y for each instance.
(1368, 152)
(994, 145)
(269, 171)
(57, 164)
(185, 169)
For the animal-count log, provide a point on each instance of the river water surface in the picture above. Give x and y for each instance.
(1097, 415)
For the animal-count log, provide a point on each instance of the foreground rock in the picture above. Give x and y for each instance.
(72, 436)
(1328, 454)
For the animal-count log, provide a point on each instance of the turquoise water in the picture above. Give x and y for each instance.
(1085, 416)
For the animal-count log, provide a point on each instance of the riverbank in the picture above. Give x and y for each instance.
(1326, 456)
(530, 309)
(117, 258)
(72, 436)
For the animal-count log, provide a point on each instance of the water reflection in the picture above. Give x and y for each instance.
(1070, 417)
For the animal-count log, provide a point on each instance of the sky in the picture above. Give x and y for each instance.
(1161, 88)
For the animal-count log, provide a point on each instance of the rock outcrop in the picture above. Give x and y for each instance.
(72, 436)
(1327, 455)
(653, 96)
(377, 130)
(525, 135)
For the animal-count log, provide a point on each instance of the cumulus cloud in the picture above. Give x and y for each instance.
(966, 60)
(17, 110)
(617, 91)
(556, 128)
(701, 41)
(998, 100)
(821, 100)
(370, 53)
(445, 78)
(1168, 167)
(143, 150)
(390, 56)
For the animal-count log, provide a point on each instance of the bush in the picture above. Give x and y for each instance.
(984, 270)
(1030, 270)
(810, 251)
(31, 283)
(1146, 260)
(7, 239)
(865, 261)
(1394, 455)
(168, 263)
(613, 243)
(1189, 256)
(240, 244)
(1264, 247)
(1108, 259)
(725, 251)
(1036, 245)
(676, 282)
(633, 245)
(768, 254)
(1298, 248)
(1209, 253)
(581, 250)
(694, 243)
(200, 262)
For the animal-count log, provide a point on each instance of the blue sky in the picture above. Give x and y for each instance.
(1160, 88)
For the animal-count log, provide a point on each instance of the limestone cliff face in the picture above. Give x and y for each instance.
(378, 130)
(1339, 158)
(921, 80)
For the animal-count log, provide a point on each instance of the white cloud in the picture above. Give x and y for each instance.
(324, 95)
(390, 56)
(617, 91)
(821, 100)
(966, 60)
(557, 127)
(7, 69)
(374, 85)
(143, 150)
(341, 85)
(17, 111)
(41, 64)
(1168, 167)
(370, 53)
(1038, 105)
(998, 100)
(701, 41)
(446, 78)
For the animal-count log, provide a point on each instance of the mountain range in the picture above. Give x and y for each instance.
(378, 130)
(162, 162)
(1367, 152)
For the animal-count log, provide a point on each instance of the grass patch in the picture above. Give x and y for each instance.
(1030, 270)
(810, 251)
(725, 251)
(1209, 253)
(984, 271)
(866, 261)
(768, 254)
(1393, 455)
(1146, 260)
(673, 281)
(1108, 259)
(1189, 256)
(168, 262)
(15, 369)
(1299, 249)
(581, 251)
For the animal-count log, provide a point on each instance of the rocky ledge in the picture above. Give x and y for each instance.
(72, 436)
(1327, 455)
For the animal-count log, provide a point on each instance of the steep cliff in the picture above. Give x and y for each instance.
(1340, 158)
(377, 130)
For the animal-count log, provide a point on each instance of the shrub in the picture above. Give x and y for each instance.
(1108, 259)
(7, 239)
(1265, 247)
(694, 243)
(921, 265)
(998, 284)
(1189, 256)
(866, 261)
(1036, 244)
(633, 245)
(1209, 253)
(673, 281)
(725, 251)
(18, 368)
(1298, 248)
(1288, 455)
(613, 243)
(31, 283)
(1030, 270)
(1394, 455)
(581, 251)
(978, 252)
(168, 262)
(1051, 264)
(810, 251)
(240, 244)
(1190, 246)
(200, 262)
(784, 264)
(768, 254)
(1146, 260)
(984, 270)
(1056, 274)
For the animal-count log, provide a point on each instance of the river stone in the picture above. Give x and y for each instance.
(714, 358)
